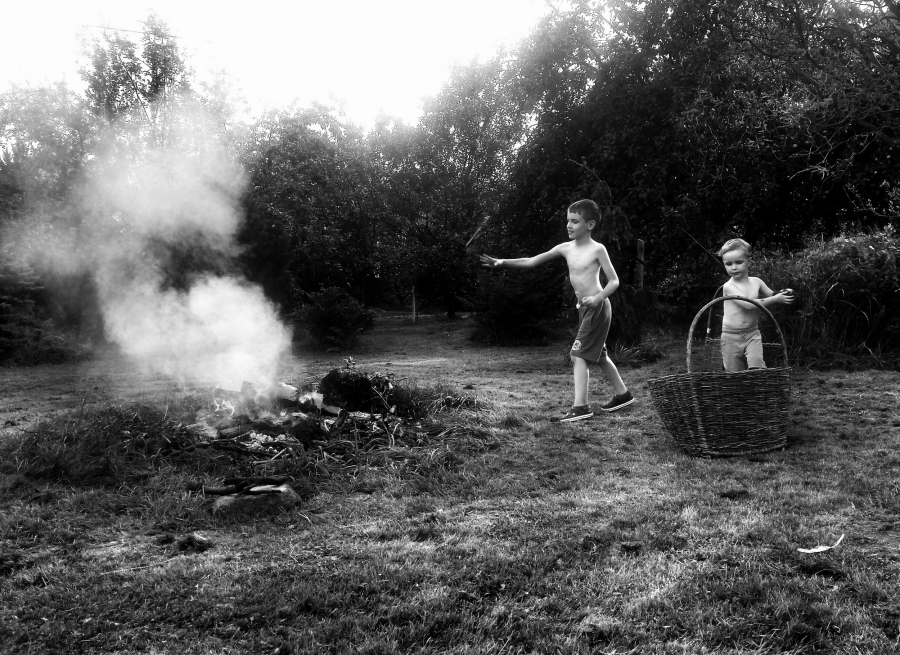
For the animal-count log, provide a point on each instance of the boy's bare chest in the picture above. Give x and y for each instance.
(582, 262)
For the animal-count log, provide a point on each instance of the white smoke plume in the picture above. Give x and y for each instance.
(221, 329)
(138, 202)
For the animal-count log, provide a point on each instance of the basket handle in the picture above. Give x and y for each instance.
(709, 320)
(722, 299)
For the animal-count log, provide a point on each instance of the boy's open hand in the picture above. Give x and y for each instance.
(490, 262)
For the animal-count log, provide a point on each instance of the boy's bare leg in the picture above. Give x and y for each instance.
(611, 373)
(582, 378)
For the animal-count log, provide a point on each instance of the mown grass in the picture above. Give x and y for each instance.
(594, 537)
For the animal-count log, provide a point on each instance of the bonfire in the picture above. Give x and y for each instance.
(253, 441)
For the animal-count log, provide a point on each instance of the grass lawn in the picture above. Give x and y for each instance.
(593, 537)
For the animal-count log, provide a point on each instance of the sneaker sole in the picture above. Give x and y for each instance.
(612, 409)
(576, 418)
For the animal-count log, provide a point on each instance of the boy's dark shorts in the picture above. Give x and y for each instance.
(593, 327)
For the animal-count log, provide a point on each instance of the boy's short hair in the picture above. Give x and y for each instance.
(588, 209)
(735, 244)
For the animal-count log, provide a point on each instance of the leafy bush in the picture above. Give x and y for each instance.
(632, 309)
(333, 318)
(19, 322)
(519, 308)
(847, 299)
(48, 345)
(532, 307)
(25, 338)
(637, 355)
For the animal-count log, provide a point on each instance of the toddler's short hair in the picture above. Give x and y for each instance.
(735, 244)
(588, 209)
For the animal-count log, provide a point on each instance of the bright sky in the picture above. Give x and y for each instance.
(369, 55)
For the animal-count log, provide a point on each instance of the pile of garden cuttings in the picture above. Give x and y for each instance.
(350, 421)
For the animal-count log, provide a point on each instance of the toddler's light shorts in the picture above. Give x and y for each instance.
(742, 349)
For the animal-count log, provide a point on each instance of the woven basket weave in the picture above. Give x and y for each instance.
(723, 414)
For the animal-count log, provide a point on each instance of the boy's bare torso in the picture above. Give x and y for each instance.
(737, 315)
(584, 266)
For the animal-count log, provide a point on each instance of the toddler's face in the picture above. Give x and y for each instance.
(737, 263)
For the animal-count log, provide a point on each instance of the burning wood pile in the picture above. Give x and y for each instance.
(276, 445)
(351, 420)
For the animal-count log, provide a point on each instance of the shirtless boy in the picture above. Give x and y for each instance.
(741, 342)
(585, 258)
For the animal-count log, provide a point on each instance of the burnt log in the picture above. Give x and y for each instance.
(305, 429)
(236, 431)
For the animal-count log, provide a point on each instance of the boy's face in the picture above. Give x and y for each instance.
(737, 263)
(576, 226)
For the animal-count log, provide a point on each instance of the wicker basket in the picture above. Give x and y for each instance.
(722, 414)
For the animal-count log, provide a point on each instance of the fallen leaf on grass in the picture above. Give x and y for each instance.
(821, 549)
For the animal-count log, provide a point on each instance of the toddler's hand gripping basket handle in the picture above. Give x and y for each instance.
(784, 350)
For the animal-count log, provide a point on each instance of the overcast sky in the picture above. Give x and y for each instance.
(370, 55)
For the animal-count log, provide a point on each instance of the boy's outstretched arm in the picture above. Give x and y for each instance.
(521, 262)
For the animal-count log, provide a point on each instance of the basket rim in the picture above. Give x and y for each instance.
(723, 298)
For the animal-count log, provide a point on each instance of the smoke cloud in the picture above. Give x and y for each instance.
(221, 329)
(192, 317)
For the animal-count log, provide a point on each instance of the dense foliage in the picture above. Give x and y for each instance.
(847, 298)
(27, 336)
(333, 318)
(689, 123)
(520, 308)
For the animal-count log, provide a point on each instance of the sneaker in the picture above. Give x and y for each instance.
(574, 414)
(618, 402)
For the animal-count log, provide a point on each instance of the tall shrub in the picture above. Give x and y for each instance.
(847, 289)
(334, 318)
(519, 308)
(27, 337)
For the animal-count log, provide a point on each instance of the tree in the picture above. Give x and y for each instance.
(838, 120)
(707, 120)
(464, 146)
(74, 172)
(43, 164)
(43, 135)
(318, 214)
(145, 88)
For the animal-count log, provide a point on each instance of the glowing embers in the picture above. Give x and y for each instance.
(224, 409)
